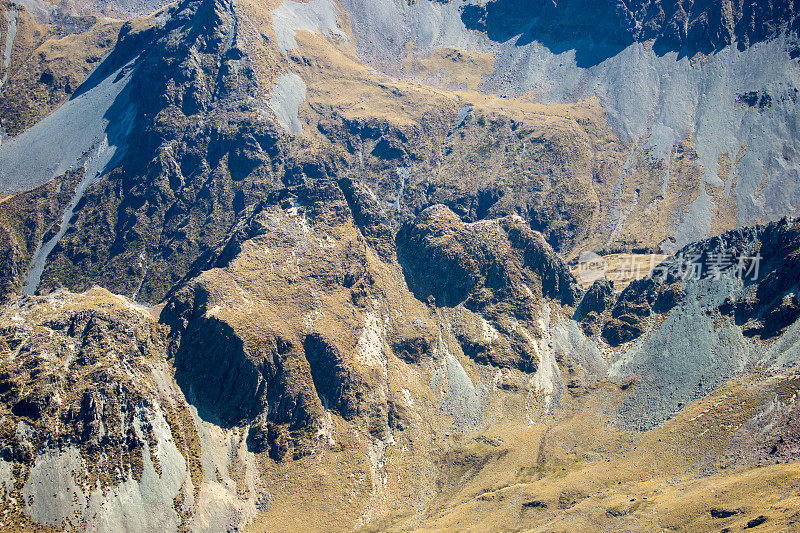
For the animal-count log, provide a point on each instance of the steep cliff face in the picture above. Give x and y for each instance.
(480, 263)
(761, 258)
(599, 30)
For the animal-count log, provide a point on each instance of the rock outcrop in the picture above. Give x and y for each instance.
(245, 338)
(762, 259)
(95, 434)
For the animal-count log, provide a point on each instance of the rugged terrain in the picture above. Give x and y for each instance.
(318, 265)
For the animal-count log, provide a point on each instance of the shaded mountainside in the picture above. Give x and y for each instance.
(598, 30)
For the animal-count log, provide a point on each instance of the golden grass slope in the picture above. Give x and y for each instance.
(577, 473)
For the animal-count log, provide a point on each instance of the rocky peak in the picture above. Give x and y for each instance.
(480, 263)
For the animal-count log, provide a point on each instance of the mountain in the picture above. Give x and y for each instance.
(350, 265)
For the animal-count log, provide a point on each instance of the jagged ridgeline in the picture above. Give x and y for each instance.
(317, 265)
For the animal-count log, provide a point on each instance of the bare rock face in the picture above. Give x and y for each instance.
(771, 303)
(704, 315)
(600, 29)
(95, 433)
(763, 259)
(67, 377)
(481, 263)
(445, 260)
(500, 270)
(77, 381)
(594, 303)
